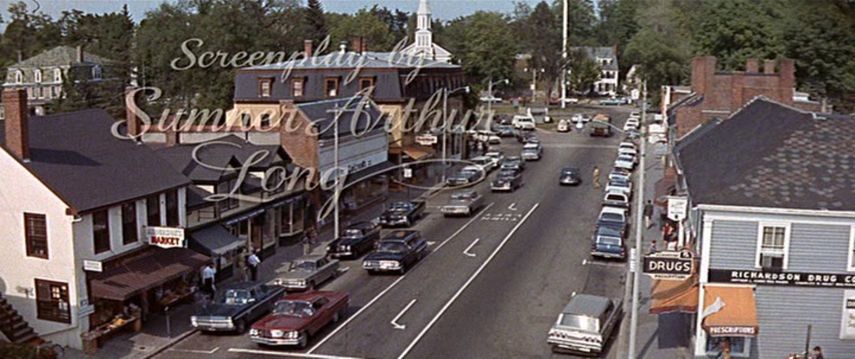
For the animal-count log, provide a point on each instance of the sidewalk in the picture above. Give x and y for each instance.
(155, 338)
(666, 336)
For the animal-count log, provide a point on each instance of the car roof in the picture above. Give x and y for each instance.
(473, 159)
(615, 210)
(614, 192)
(361, 225)
(530, 145)
(608, 231)
(587, 304)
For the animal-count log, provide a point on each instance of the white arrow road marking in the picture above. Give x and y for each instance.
(394, 321)
(430, 243)
(585, 261)
(286, 354)
(513, 206)
(466, 251)
(195, 351)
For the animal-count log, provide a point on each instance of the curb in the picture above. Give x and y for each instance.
(176, 340)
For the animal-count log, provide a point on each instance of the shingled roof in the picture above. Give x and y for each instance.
(771, 155)
(61, 56)
(76, 155)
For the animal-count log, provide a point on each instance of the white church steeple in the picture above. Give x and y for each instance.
(423, 45)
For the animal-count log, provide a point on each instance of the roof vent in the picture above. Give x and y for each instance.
(818, 117)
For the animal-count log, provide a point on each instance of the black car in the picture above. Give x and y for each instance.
(403, 213)
(608, 242)
(356, 240)
(508, 180)
(396, 252)
(236, 307)
(570, 176)
(513, 162)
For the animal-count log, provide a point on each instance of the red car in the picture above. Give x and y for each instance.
(297, 317)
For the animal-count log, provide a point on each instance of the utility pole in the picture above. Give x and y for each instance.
(564, 61)
(639, 226)
(444, 132)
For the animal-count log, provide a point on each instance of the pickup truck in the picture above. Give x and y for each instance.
(402, 213)
(396, 252)
(237, 306)
(306, 272)
(297, 317)
(463, 203)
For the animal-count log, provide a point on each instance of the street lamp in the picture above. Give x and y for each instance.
(534, 81)
(445, 94)
(490, 94)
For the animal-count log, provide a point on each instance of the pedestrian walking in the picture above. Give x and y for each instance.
(596, 177)
(652, 246)
(648, 214)
(208, 274)
(817, 353)
(252, 261)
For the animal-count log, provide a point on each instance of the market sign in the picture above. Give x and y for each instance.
(165, 237)
(92, 266)
(427, 139)
(669, 265)
(791, 279)
(677, 208)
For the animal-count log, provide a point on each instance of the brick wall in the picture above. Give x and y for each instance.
(297, 140)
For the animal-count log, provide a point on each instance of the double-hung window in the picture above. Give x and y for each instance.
(773, 246)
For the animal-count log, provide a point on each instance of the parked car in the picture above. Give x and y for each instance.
(570, 176)
(465, 176)
(612, 101)
(396, 252)
(620, 175)
(524, 122)
(632, 134)
(237, 306)
(486, 164)
(585, 325)
(631, 124)
(619, 186)
(608, 242)
(496, 156)
(463, 203)
(513, 162)
(624, 161)
(357, 239)
(531, 152)
(612, 216)
(306, 272)
(403, 213)
(505, 131)
(298, 317)
(626, 145)
(563, 125)
(616, 199)
(508, 180)
(627, 151)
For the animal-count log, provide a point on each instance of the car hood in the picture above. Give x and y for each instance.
(282, 322)
(295, 275)
(393, 214)
(458, 202)
(384, 256)
(218, 310)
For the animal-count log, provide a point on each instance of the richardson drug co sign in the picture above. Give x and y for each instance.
(792, 279)
(165, 237)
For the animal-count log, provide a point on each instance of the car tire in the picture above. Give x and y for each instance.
(240, 326)
(408, 223)
(335, 317)
(310, 286)
(304, 341)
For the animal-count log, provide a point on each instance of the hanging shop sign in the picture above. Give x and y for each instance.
(676, 265)
(165, 237)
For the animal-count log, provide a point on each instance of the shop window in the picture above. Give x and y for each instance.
(739, 347)
(297, 87)
(772, 247)
(129, 223)
(52, 301)
(56, 91)
(152, 205)
(331, 87)
(101, 231)
(35, 233)
(264, 87)
(172, 208)
(265, 121)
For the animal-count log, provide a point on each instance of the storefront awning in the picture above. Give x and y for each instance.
(366, 173)
(730, 311)
(149, 269)
(215, 240)
(418, 153)
(668, 296)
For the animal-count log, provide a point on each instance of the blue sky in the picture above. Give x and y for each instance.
(442, 9)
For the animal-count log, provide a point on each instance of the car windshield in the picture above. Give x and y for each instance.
(392, 247)
(618, 183)
(569, 171)
(399, 206)
(608, 231)
(237, 297)
(352, 233)
(302, 266)
(296, 308)
(611, 217)
(507, 173)
(582, 322)
(462, 195)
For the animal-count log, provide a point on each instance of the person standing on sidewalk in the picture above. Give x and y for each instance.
(596, 177)
(648, 214)
(252, 261)
(208, 274)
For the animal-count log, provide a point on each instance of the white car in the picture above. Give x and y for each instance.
(627, 151)
(626, 162)
(496, 156)
(563, 126)
(620, 187)
(626, 145)
(631, 124)
(523, 122)
(487, 164)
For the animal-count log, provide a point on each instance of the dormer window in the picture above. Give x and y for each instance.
(297, 85)
(331, 86)
(96, 72)
(366, 83)
(265, 87)
(19, 77)
(57, 75)
(37, 75)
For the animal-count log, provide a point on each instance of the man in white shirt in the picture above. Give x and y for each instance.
(253, 263)
(208, 274)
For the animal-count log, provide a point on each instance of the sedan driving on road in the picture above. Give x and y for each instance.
(402, 213)
(297, 317)
(466, 176)
(396, 252)
(570, 176)
(357, 239)
(463, 203)
(508, 180)
(306, 272)
(531, 152)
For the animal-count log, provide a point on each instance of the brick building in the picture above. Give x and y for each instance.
(718, 94)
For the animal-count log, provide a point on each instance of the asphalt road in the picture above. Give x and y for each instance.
(491, 286)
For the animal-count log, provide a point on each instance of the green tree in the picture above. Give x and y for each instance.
(316, 22)
(363, 24)
(735, 30)
(485, 46)
(585, 72)
(27, 33)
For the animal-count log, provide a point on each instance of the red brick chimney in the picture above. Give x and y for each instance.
(752, 66)
(769, 66)
(17, 123)
(307, 48)
(131, 120)
(703, 70)
(356, 44)
(79, 53)
(787, 84)
(364, 43)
